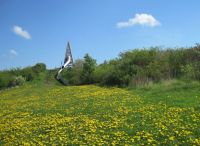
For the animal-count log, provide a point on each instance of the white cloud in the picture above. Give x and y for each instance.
(140, 19)
(13, 52)
(23, 33)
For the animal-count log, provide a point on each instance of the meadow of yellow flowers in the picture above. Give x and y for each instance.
(92, 115)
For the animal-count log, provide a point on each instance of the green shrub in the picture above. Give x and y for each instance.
(17, 81)
(89, 66)
(38, 68)
(28, 73)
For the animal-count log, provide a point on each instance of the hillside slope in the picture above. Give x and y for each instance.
(75, 115)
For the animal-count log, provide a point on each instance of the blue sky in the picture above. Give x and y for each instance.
(34, 31)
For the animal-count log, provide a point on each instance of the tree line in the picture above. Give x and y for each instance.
(131, 68)
(18, 76)
(138, 67)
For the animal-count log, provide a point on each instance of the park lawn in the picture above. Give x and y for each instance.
(93, 115)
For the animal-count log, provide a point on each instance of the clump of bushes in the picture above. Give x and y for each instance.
(17, 77)
(136, 67)
(17, 81)
(140, 67)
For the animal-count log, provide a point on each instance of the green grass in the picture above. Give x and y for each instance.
(45, 114)
(174, 93)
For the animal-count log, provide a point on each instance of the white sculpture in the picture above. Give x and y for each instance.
(68, 61)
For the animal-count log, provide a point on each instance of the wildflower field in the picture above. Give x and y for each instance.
(92, 115)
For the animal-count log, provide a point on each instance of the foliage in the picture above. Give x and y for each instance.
(88, 69)
(73, 74)
(140, 67)
(28, 73)
(17, 81)
(5, 79)
(38, 68)
(136, 67)
(17, 76)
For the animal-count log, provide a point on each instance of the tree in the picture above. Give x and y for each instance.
(88, 69)
(39, 67)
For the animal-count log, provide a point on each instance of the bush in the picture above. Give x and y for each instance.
(28, 73)
(89, 66)
(112, 79)
(5, 80)
(38, 68)
(17, 76)
(19, 80)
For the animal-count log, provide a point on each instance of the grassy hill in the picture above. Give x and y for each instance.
(47, 114)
